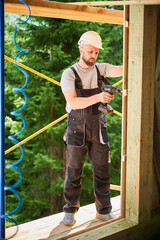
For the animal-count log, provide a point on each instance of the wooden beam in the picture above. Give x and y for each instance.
(50, 9)
(142, 52)
(118, 3)
(110, 231)
(124, 110)
(115, 187)
(156, 139)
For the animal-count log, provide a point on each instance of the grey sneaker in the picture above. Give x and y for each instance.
(105, 217)
(68, 219)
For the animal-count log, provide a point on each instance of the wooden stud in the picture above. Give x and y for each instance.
(118, 3)
(115, 187)
(156, 140)
(142, 52)
(124, 110)
(65, 11)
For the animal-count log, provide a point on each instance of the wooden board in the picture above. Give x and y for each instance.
(50, 9)
(125, 2)
(142, 51)
(156, 158)
(52, 227)
(124, 109)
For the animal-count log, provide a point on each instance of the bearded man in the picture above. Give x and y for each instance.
(86, 127)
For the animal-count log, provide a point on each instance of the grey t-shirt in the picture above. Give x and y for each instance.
(87, 76)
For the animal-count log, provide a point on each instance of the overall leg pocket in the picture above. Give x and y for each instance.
(76, 132)
(103, 135)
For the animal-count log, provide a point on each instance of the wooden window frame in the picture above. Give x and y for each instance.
(140, 26)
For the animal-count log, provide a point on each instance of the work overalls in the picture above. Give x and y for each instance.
(86, 132)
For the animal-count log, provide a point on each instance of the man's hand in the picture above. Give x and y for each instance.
(105, 97)
(83, 102)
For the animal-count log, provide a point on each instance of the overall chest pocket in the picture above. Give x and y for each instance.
(76, 132)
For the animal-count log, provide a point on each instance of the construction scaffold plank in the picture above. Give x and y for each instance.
(65, 11)
(51, 227)
(118, 3)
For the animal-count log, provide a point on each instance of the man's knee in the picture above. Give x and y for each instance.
(101, 171)
(73, 177)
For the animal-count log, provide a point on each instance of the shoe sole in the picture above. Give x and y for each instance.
(69, 224)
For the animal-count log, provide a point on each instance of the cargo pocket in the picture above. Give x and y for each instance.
(103, 135)
(76, 132)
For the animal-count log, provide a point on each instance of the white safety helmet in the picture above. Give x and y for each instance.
(91, 38)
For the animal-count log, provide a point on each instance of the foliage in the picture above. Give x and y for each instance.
(52, 45)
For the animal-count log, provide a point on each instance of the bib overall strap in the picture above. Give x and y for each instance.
(101, 78)
(78, 83)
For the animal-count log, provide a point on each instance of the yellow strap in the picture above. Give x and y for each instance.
(56, 121)
(116, 84)
(32, 70)
(36, 133)
(42, 75)
(118, 113)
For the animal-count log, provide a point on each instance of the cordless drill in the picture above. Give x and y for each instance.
(104, 107)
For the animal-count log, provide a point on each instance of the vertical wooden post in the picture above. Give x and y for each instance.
(124, 110)
(142, 52)
(156, 141)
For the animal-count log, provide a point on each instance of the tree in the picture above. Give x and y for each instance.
(52, 45)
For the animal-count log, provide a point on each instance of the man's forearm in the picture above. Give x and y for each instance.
(116, 71)
(81, 102)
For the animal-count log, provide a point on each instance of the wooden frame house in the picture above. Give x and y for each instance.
(140, 181)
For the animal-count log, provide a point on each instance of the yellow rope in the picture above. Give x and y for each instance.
(42, 75)
(33, 71)
(118, 113)
(116, 84)
(36, 133)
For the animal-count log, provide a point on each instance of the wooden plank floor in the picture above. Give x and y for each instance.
(52, 227)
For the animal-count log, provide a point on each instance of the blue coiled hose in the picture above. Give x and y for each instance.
(16, 113)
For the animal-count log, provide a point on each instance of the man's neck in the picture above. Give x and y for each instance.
(82, 64)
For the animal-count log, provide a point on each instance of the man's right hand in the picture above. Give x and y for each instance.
(105, 97)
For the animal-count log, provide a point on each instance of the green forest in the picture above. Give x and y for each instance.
(52, 45)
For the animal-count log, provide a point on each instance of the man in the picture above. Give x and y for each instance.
(86, 128)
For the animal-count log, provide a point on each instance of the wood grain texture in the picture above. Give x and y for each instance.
(44, 8)
(124, 110)
(142, 52)
(125, 2)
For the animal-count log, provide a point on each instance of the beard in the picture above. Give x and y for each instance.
(88, 62)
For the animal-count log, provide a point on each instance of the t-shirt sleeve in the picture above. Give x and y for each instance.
(67, 80)
(104, 68)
